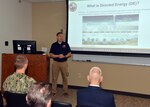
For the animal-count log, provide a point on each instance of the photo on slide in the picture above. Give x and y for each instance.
(117, 30)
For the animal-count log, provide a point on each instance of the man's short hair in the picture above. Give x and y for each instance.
(20, 61)
(39, 95)
(95, 68)
(59, 33)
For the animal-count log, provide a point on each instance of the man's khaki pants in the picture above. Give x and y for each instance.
(61, 67)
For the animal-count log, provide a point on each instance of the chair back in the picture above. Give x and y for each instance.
(83, 106)
(15, 99)
(1, 99)
(60, 104)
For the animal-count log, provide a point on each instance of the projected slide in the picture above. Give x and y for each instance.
(109, 25)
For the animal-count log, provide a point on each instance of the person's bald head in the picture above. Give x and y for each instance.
(95, 76)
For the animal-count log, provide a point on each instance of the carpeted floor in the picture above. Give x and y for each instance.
(120, 100)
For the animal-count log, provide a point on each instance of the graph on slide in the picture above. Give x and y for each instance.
(110, 30)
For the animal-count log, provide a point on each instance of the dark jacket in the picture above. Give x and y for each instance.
(95, 97)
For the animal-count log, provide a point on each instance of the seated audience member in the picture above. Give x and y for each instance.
(93, 95)
(39, 95)
(19, 82)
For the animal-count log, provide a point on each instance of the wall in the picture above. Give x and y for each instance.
(49, 18)
(15, 23)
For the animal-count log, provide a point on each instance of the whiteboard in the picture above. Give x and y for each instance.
(145, 61)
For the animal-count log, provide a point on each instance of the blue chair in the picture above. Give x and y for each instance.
(82, 106)
(60, 104)
(1, 100)
(15, 99)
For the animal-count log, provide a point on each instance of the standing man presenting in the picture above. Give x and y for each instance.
(60, 51)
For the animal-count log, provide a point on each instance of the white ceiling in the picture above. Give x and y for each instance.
(44, 0)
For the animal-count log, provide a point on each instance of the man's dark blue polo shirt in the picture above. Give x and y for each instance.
(62, 48)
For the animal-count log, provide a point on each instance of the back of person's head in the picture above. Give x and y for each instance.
(20, 61)
(95, 76)
(39, 95)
